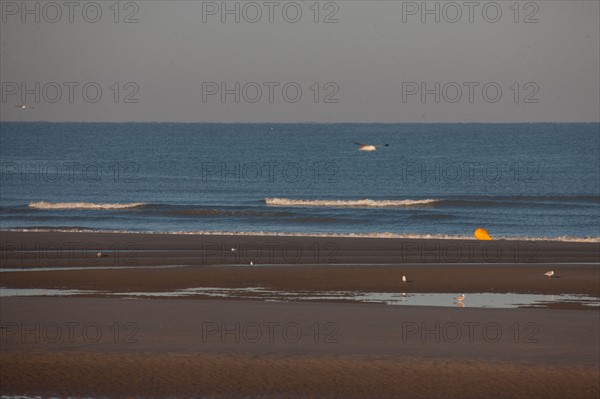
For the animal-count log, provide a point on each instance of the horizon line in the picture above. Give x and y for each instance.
(313, 122)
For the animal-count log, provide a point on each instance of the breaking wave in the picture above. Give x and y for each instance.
(362, 203)
(82, 205)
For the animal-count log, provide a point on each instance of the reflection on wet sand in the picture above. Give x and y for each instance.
(476, 300)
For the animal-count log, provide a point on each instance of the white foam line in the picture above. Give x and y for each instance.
(82, 205)
(361, 203)
(309, 235)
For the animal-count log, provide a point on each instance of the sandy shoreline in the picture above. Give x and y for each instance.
(217, 376)
(288, 328)
(30, 249)
(189, 346)
(519, 278)
(299, 264)
(119, 347)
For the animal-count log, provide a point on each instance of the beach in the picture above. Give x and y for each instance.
(300, 200)
(131, 262)
(175, 351)
(243, 346)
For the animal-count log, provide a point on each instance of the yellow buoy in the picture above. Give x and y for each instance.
(482, 234)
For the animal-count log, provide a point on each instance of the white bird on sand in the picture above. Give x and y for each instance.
(460, 297)
(251, 263)
(549, 273)
(369, 147)
(404, 279)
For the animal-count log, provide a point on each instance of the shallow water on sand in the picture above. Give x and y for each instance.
(474, 300)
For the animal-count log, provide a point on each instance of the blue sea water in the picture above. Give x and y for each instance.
(516, 180)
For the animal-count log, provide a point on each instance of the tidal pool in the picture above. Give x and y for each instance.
(471, 300)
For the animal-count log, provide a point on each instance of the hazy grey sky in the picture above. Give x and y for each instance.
(370, 66)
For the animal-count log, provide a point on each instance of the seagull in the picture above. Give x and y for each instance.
(233, 249)
(460, 297)
(100, 255)
(549, 273)
(369, 147)
(23, 106)
(251, 263)
(404, 279)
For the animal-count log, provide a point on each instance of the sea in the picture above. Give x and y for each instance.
(525, 181)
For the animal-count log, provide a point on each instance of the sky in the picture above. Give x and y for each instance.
(300, 61)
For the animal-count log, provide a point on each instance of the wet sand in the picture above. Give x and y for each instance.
(216, 376)
(249, 348)
(346, 264)
(31, 249)
(120, 347)
(519, 278)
